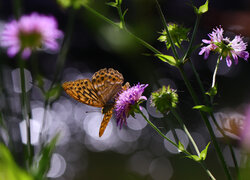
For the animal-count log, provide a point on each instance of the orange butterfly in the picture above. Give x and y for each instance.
(101, 91)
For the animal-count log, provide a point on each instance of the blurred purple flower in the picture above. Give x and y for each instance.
(126, 102)
(30, 32)
(230, 50)
(245, 132)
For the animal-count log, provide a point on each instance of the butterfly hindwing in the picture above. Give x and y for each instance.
(101, 91)
(82, 90)
(106, 118)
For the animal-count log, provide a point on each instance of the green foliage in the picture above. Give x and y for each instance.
(203, 108)
(72, 3)
(194, 157)
(9, 170)
(212, 92)
(181, 147)
(41, 168)
(164, 99)
(168, 59)
(53, 93)
(202, 9)
(115, 4)
(203, 154)
(178, 34)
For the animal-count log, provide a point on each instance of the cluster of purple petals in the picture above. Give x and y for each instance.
(236, 47)
(126, 99)
(45, 26)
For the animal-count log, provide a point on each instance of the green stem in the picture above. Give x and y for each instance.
(139, 40)
(166, 28)
(101, 16)
(25, 112)
(179, 119)
(121, 16)
(215, 71)
(197, 21)
(169, 140)
(205, 119)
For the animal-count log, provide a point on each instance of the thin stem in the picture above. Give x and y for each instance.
(205, 119)
(215, 71)
(157, 130)
(121, 16)
(166, 28)
(101, 16)
(179, 119)
(169, 140)
(25, 111)
(139, 40)
(197, 21)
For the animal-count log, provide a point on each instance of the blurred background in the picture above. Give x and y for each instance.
(134, 152)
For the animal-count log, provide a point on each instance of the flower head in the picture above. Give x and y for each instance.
(229, 50)
(127, 101)
(30, 32)
(178, 33)
(164, 99)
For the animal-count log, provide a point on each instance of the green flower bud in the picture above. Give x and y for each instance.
(164, 99)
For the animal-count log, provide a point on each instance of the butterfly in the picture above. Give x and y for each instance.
(101, 91)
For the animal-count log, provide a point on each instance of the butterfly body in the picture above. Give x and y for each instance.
(101, 91)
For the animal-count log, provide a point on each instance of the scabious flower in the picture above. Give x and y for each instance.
(30, 32)
(164, 99)
(127, 102)
(229, 50)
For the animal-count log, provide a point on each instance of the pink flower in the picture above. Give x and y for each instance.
(29, 33)
(127, 100)
(229, 50)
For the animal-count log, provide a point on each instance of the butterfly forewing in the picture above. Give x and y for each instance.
(100, 92)
(82, 90)
(107, 82)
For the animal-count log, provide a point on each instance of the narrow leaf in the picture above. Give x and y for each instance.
(166, 58)
(203, 108)
(203, 154)
(112, 4)
(204, 8)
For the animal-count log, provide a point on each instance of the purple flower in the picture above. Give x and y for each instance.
(229, 50)
(30, 32)
(127, 100)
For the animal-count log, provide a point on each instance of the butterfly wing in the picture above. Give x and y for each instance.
(106, 118)
(83, 91)
(107, 83)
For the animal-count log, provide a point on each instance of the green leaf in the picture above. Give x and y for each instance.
(204, 8)
(194, 157)
(8, 167)
(212, 92)
(203, 108)
(166, 58)
(124, 13)
(203, 154)
(181, 147)
(112, 4)
(40, 170)
(53, 93)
